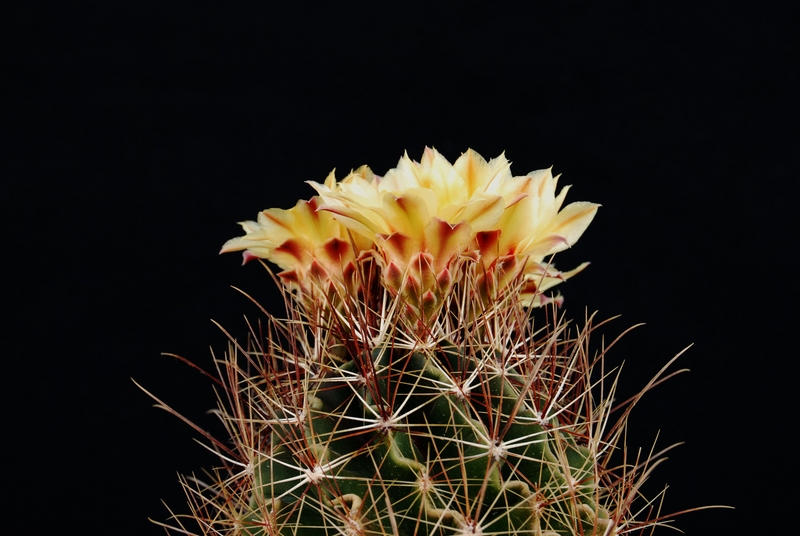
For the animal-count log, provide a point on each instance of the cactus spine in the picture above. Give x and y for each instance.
(480, 427)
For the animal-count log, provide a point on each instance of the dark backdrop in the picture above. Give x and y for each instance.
(136, 136)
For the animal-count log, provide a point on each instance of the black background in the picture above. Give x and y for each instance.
(137, 135)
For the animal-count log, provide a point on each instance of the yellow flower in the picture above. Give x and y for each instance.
(532, 228)
(421, 215)
(422, 221)
(310, 246)
(409, 196)
(424, 216)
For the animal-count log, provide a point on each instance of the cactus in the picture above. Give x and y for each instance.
(412, 389)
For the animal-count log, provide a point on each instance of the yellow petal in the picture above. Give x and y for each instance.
(407, 214)
(398, 248)
(444, 240)
(476, 173)
(563, 232)
(364, 222)
(573, 220)
(482, 212)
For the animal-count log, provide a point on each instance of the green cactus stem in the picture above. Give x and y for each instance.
(442, 441)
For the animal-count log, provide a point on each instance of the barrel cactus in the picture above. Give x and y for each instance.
(422, 382)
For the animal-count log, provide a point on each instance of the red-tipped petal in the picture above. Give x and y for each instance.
(247, 257)
(293, 249)
(393, 276)
(398, 247)
(488, 242)
(317, 270)
(290, 276)
(337, 249)
(444, 240)
(444, 280)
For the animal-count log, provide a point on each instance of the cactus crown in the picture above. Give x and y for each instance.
(410, 391)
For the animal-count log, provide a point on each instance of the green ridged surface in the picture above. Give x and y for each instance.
(387, 446)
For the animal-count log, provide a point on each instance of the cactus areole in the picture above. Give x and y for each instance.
(413, 390)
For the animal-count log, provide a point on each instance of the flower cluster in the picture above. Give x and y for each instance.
(421, 222)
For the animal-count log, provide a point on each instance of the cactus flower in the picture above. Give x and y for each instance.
(310, 246)
(531, 228)
(425, 215)
(421, 221)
